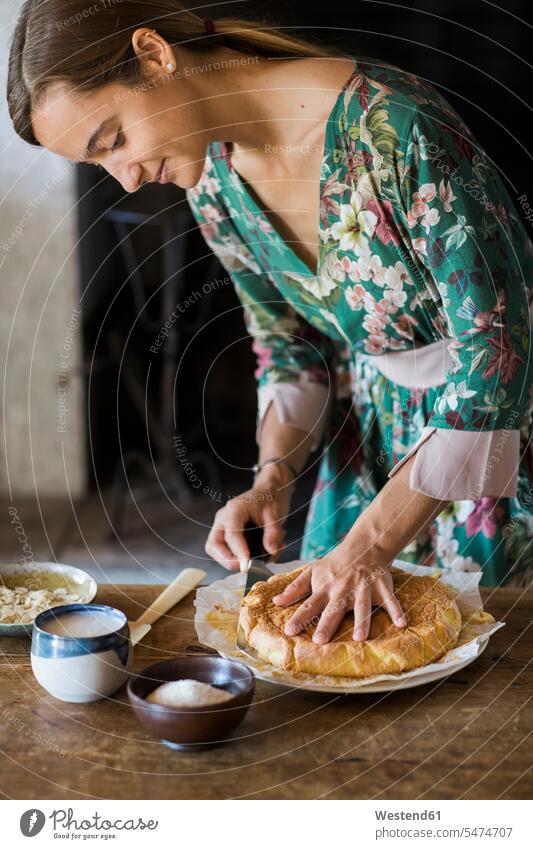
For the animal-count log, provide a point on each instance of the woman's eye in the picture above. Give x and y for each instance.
(119, 140)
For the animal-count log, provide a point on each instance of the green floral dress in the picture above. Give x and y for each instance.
(419, 241)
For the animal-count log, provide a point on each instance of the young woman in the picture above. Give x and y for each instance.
(384, 272)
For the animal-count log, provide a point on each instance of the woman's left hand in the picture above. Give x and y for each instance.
(355, 574)
(336, 584)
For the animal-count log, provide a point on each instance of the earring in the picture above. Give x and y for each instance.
(170, 66)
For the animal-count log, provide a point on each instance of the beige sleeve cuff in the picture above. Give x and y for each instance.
(302, 405)
(463, 465)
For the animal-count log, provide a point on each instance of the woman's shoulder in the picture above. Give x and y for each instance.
(381, 97)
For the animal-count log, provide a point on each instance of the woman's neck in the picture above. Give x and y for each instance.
(253, 102)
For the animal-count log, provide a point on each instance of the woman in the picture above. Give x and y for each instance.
(391, 320)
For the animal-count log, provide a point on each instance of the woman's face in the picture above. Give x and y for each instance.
(148, 131)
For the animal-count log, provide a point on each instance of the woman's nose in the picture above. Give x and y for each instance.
(128, 174)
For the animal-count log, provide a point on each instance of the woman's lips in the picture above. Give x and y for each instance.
(162, 176)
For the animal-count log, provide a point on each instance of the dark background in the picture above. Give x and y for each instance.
(479, 54)
(476, 52)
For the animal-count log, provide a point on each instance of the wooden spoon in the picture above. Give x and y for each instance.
(182, 584)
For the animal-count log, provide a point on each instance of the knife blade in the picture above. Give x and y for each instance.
(257, 570)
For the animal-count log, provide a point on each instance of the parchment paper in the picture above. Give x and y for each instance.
(217, 613)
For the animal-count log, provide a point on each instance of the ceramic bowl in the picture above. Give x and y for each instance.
(43, 576)
(81, 669)
(196, 727)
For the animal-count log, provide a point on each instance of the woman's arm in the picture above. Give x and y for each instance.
(293, 379)
(475, 260)
(267, 502)
(355, 574)
(395, 517)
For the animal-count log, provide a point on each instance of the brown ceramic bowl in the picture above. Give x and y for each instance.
(195, 727)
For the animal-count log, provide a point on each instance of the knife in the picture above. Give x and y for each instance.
(256, 570)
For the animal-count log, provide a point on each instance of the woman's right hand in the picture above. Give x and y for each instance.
(265, 504)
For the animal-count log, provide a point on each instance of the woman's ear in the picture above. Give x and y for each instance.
(154, 53)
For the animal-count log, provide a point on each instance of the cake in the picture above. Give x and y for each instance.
(433, 626)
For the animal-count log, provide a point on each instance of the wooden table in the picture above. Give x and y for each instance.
(468, 736)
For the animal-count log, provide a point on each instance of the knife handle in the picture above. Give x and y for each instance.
(253, 534)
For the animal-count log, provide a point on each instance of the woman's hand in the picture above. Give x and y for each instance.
(266, 504)
(355, 574)
(337, 585)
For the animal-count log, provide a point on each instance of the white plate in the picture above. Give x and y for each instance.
(287, 680)
(49, 576)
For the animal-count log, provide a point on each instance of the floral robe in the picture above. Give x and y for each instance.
(419, 241)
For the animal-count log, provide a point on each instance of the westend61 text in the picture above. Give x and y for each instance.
(407, 815)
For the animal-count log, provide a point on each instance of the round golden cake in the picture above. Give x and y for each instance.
(433, 625)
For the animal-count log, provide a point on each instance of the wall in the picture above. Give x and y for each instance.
(42, 443)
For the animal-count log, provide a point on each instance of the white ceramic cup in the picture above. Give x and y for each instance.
(81, 669)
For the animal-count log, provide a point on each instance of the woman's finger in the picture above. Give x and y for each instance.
(296, 590)
(307, 614)
(330, 620)
(388, 600)
(236, 543)
(273, 530)
(362, 614)
(216, 548)
(235, 521)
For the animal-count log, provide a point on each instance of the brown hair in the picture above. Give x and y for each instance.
(48, 45)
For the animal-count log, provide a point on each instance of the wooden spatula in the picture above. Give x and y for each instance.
(182, 584)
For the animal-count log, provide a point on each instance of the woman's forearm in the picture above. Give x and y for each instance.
(396, 515)
(267, 503)
(281, 440)
(394, 518)
(354, 575)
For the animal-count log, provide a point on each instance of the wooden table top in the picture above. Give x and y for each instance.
(467, 736)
